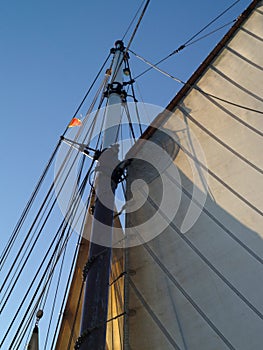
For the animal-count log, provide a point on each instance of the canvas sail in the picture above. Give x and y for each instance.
(198, 285)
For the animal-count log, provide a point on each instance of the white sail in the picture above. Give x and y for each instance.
(198, 285)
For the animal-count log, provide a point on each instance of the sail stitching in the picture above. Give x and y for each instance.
(154, 316)
(252, 34)
(234, 83)
(217, 222)
(206, 94)
(217, 139)
(235, 53)
(184, 293)
(222, 182)
(205, 260)
(212, 99)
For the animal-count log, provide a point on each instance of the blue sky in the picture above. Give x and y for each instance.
(50, 53)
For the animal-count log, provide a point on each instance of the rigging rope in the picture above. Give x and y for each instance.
(190, 41)
(218, 140)
(204, 93)
(21, 220)
(28, 326)
(215, 220)
(75, 316)
(25, 212)
(203, 258)
(64, 299)
(8, 275)
(89, 90)
(154, 317)
(214, 20)
(210, 33)
(134, 98)
(132, 21)
(222, 182)
(55, 296)
(63, 227)
(137, 25)
(185, 294)
(31, 228)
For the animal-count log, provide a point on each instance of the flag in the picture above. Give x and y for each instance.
(75, 122)
(33, 344)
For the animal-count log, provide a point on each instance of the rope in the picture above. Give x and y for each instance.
(134, 98)
(64, 225)
(204, 259)
(117, 278)
(41, 209)
(154, 317)
(185, 294)
(25, 261)
(75, 317)
(25, 212)
(39, 285)
(27, 328)
(89, 90)
(17, 272)
(86, 333)
(36, 190)
(218, 140)
(39, 233)
(118, 66)
(28, 290)
(132, 21)
(190, 41)
(216, 221)
(55, 296)
(210, 33)
(214, 20)
(137, 25)
(119, 299)
(203, 92)
(64, 299)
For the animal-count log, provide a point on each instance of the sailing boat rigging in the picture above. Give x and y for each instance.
(189, 276)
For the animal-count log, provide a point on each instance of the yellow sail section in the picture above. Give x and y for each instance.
(67, 329)
(116, 302)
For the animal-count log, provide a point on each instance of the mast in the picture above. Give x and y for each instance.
(97, 270)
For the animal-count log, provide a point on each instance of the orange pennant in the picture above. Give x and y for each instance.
(75, 122)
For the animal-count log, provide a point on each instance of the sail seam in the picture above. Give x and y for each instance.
(252, 34)
(154, 316)
(212, 99)
(206, 94)
(204, 259)
(242, 57)
(236, 84)
(217, 222)
(222, 143)
(184, 293)
(222, 182)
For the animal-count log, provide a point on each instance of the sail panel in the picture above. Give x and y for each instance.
(200, 286)
(116, 302)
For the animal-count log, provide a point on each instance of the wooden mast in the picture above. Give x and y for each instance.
(95, 305)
